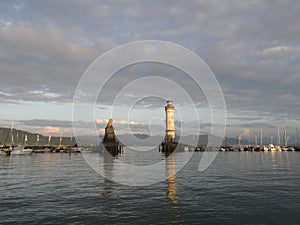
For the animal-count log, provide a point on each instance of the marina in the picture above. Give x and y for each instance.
(119, 149)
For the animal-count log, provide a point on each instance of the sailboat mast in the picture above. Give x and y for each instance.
(49, 139)
(1, 134)
(297, 136)
(25, 139)
(239, 139)
(261, 141)
(11, 133)
(60, 139)
(278, 137)
(284, 136)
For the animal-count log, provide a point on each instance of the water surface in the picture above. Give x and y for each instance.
(238, 188)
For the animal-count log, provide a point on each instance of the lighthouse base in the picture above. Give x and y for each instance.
(168, 147)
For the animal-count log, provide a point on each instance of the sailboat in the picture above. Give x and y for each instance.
(5, 150)
(21, 150)
(16, 149)
(262, 147)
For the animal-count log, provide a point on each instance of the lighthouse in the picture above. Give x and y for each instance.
(169, 145)
(170, 131)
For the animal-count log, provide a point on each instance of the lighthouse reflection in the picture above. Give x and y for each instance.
(171, 175)
(172, 188)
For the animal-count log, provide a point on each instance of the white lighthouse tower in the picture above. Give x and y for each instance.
(170, 131)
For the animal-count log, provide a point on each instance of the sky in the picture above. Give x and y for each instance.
(252, 48)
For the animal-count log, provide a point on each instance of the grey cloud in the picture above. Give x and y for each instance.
(46, 123)
(251, 46)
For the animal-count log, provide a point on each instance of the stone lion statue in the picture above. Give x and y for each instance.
(109, 124)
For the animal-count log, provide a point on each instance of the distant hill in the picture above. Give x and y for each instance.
(19, 138)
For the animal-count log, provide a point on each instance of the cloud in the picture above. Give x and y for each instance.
(276, 50)
(246, 132)
(251, 46)
(47, 123)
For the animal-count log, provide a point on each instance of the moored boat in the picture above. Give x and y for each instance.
(271, 148)
(20, 150)
(5, 150)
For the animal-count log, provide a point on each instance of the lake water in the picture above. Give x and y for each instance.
(237, 188)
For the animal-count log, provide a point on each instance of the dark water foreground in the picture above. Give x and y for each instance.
(238, 188)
